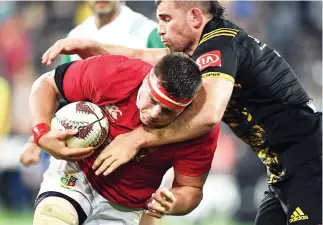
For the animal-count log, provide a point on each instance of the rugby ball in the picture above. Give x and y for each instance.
(88, 118)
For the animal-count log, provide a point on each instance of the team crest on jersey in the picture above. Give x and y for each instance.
(113, 111)
(69, 179)
(144, 152)
(208, 59)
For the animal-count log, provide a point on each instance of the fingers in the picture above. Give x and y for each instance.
(46, 56)
(100, 159)
(154, 206)
(167, 195)
(114, 165)
(165, 202)
(161, 203)
(154, 214)
(55, 51)
(155, 209)
(105, 165)
(76, 153)
(28, 160)
(50, 55)
(62, 135)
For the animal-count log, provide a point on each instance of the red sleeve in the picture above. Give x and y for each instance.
(195, 157)
(104, 79)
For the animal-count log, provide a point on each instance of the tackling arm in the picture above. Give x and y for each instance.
(151, 56)
(86, 48)
(205, 112)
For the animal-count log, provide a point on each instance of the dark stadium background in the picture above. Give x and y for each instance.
(237, 180)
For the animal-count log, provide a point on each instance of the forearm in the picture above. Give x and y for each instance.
(151, 56)
(196, 121)
(187, 199)
(43, 100)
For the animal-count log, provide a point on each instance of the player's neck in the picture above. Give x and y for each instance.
(194, 43)
(193, 46)
(101, 20)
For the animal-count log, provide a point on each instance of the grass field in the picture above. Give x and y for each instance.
(25, 218)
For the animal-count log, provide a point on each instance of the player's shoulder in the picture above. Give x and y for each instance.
(116, 59)
(119, 64)
(82, 28)
(219, 32)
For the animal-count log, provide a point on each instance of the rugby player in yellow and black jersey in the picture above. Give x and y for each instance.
(247, 85)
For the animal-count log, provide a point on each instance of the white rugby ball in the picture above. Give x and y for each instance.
(88, 118)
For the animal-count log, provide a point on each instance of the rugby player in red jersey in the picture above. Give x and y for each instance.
(131, 92)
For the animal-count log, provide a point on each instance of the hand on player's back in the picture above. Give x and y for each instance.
(160, 203)
(120, 151)
(54, 143)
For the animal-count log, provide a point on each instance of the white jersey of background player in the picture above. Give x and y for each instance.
(115, 23)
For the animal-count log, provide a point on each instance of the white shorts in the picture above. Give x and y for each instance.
(67, 178)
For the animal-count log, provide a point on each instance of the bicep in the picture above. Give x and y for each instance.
(219, 68)
(181, 180)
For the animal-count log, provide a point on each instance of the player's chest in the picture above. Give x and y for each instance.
(123, 117)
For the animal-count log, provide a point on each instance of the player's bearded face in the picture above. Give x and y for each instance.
(174, 29)
(152, 112)
(103, 8)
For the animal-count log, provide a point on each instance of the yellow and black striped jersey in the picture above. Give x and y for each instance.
(267, 98)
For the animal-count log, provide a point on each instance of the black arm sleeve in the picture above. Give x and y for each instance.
(59, 77)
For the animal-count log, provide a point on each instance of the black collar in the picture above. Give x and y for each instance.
(211, 25)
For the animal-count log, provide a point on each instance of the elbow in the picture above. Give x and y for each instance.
(45, 85)
(210, 121)
(197, 198)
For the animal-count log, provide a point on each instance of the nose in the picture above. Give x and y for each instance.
(155, 112)
(161, 29)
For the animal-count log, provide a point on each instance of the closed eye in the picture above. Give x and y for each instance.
(164, 18)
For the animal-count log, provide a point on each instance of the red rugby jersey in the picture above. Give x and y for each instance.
(112, 82)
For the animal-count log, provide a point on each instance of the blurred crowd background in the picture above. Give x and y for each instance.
(236, 183)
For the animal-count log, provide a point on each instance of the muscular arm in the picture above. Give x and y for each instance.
(44, 98)
(86, 48)
(206, 111)
(151, 56)
(188, 192)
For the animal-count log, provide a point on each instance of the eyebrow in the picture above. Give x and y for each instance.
(161, 104)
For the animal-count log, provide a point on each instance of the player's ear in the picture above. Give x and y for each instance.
(196, 17)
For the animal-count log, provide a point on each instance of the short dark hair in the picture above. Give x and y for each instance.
(212, 7)
(179, 75)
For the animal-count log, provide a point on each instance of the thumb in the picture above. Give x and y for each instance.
(62, 135)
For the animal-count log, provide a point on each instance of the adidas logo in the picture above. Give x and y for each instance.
(297, 216)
